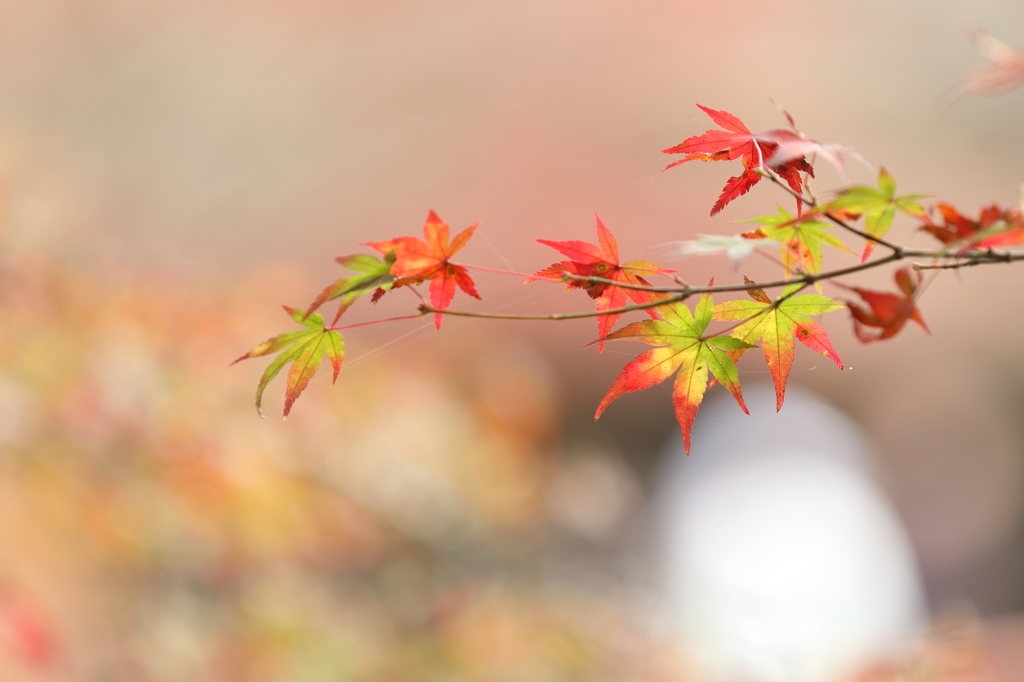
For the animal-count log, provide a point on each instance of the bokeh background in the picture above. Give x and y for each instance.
(173, 172)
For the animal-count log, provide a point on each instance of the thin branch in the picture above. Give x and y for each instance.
(813, 203)
(564, 278)
(418, 294)
(801, 279)
(682, 296)
(896, 248)
(593, 279)
(681, 293)
(766, 172)
(973, 259)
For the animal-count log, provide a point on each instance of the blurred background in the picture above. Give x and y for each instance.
(173, 172)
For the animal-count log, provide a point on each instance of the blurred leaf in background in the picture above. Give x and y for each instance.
(155, 529)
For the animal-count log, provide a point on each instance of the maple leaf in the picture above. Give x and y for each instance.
(303, 349)
(790, 149)
(996, 226)
(682, 346)
(737, 142)
(1004, 72)
(795, 144)
(600, 260)
(878, 206)
(419, 260)
(800, 239)
(736, 247)
(775, 324)
(374, 275)
(886, 311)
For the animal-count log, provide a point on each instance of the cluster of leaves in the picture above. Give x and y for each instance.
(685, 344)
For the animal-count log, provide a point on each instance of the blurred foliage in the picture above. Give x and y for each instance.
(407, 524)
(156, 529)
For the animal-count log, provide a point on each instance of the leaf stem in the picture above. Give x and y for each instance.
(496, 271)
(768, 173)
(367, 324)
(864, 235)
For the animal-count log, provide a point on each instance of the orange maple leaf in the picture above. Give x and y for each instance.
(417, 260)
(601, 260)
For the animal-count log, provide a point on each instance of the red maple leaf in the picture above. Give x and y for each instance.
(996, 226)
(601, 260)
(886, 311)
(737, 142)
(417, 260)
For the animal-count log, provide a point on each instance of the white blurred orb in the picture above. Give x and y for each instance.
(781, 558)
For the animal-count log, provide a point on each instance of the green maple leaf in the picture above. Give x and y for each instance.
(683, 347)
(878, 206)
(775, 324)
(374, 273)
(800, 239)
(304, 349)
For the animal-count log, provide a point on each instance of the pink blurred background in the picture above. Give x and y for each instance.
(172, 173)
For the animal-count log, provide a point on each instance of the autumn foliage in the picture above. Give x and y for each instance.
(700, 346)
(601, 262)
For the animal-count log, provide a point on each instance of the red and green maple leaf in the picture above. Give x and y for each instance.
(736, 141)
(417, 260)
(995, 227)
(304, 349)
(601, 260)
(878, 206)
(775, 324)
(799, 238)
(374, 275)
(683, 347)
(886, 311)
